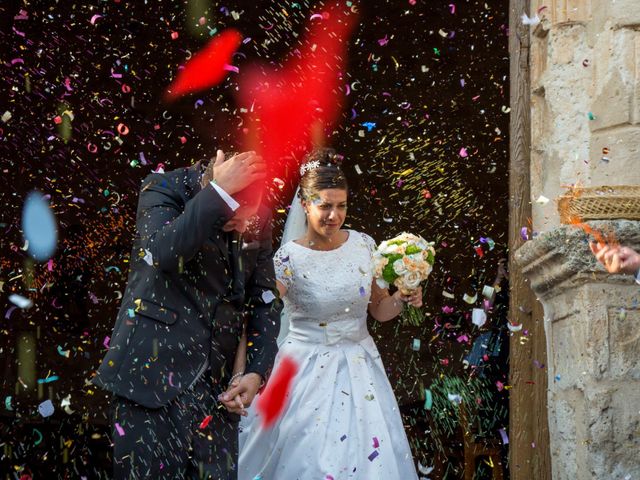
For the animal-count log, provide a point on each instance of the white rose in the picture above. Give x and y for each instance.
(416, 257)
(412, 280)
(399, 267)
(394, 249)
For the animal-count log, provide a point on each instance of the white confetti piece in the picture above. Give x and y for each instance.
(20, 301)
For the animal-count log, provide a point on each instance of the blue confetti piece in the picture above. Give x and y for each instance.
(373, 455)
(39, 227)
(363, 292)
(46, 408)
(50, 379)
(343, 438)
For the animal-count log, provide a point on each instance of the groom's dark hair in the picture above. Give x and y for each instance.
(327, 173)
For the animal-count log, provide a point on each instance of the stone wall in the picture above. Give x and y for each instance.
(585, 100)
(585, 122)
(592, 324)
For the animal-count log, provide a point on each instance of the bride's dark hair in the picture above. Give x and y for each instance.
(327, 175)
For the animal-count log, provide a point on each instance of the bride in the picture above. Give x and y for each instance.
(341, 419)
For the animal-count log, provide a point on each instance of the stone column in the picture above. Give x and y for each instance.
(585, 122)
(592, 325)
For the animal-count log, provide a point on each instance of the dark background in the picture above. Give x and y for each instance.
(425, 82)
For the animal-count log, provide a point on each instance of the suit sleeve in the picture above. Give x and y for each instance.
(263, 324)
(170, 229)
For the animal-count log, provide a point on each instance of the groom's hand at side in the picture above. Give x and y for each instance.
(238, 172)
(240, 394)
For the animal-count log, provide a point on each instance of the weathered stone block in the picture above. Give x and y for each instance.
(563, 434)
(624, 341)
(562, 11)
(594, 353)
(615, 157)
(615, 79)
(623, 13)
(621, 452)
(538, 59)
(570, 362)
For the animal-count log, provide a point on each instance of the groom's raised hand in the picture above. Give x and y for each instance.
(238, 172)
(241, 393)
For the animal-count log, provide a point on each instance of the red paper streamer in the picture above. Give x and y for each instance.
(206, 68)
(272, 401)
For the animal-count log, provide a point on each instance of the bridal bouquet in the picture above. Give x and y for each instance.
(404, 261)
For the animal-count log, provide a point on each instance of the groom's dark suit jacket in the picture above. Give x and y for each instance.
(190, 284)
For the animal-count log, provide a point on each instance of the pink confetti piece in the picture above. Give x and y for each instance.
(107, 339)
(231, 68)
(452, 8)
(94, 18)
(119, 429)
(376, 443)
(315, 16)
(464, 153)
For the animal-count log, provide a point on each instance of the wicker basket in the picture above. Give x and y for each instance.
(599, 203)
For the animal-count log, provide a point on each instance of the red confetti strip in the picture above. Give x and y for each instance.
(207, 67)
(271, 402)
(205, 422)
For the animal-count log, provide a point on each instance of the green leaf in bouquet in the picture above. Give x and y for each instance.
(396, 242)
(388, 273)
(431, 258)
(411, 249)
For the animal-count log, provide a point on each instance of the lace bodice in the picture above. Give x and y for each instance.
(324, 287)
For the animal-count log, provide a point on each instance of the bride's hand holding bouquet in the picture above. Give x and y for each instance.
(405, 262)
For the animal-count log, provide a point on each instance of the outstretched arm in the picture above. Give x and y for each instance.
(616, 259)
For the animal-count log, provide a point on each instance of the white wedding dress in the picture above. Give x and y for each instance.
(341, 419)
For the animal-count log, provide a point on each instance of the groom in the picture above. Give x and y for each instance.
(192, 283)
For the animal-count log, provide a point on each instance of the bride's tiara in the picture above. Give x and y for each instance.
(305, 167)
(330, 159)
